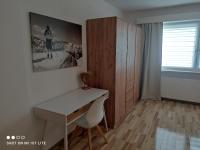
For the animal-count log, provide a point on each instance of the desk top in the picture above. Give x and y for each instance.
(69, 102)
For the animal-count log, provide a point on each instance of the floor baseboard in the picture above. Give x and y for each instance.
(180, 101)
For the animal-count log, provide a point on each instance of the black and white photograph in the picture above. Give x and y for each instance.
(55, 43)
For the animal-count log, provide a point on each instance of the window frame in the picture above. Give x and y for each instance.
(196, 58)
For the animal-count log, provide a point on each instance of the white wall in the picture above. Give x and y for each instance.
(180, 86)
(48, 84)
(21, 89)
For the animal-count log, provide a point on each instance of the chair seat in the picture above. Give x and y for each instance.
(82, 122)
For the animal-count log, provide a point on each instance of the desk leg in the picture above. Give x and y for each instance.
(65, 136)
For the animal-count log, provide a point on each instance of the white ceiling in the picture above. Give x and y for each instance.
(132, 5)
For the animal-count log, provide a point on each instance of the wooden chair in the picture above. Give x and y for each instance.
(92, 118)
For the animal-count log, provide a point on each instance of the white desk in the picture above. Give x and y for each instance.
(57, 109)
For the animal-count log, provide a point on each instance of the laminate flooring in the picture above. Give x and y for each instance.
(152, 125)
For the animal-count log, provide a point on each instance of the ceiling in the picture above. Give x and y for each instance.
(133, 5)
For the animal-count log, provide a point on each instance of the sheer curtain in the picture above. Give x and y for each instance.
(151, 60)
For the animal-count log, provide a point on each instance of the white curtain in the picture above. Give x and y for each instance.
(151, 61)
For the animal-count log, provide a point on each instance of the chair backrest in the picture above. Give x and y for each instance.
(96, 112)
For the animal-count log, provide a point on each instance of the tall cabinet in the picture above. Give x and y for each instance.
(111, 51)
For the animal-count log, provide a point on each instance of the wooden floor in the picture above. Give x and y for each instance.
(152, 125)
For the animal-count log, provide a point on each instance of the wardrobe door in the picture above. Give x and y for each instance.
(101, 44)
(138, 63)
(120, 76)
(130, 67)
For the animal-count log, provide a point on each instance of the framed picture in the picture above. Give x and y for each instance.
(55, 43)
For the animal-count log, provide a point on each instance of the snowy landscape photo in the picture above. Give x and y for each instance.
(56, 44)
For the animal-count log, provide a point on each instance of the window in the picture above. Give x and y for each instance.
(180, 49)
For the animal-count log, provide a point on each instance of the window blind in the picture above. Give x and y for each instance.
(179, 44)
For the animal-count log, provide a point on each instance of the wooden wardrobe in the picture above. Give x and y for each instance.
(111, 58)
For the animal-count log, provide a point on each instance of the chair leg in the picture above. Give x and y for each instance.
(105, 119)
(89, 139)
(73, 134)
(102, 134)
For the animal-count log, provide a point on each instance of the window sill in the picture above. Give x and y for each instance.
(180, 71)
(181, 74)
